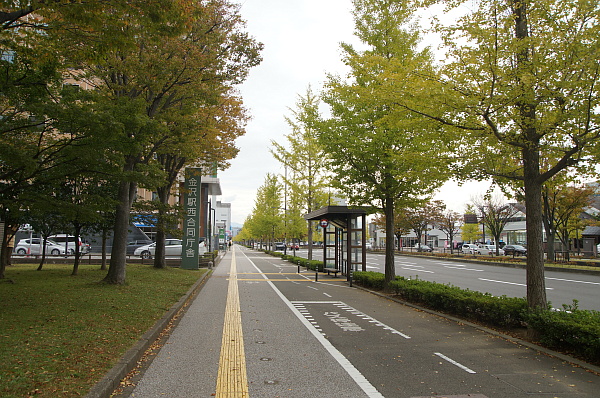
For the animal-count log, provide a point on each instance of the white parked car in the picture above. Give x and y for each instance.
(69, 241)
(172, 249)
(469, 248)
(33, 246)
(493, 250)
(489, 250)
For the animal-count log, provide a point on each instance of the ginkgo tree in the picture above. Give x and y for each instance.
(266, 221)
(518, 86)
(161, 78)
(381, 158)
(305, 159)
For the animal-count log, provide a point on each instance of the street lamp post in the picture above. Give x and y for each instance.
(210, 225)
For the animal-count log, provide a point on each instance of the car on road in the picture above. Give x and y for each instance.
(515, 250)
(172, 249)
(133, 245)
(294, 246)
(33, 246)
(489, 250)
(423, 248)
(279, 246)
(69, 241)
(469, 248)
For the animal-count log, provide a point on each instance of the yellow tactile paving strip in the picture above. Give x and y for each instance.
(232, 381)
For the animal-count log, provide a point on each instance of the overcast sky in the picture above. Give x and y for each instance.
(302, 44)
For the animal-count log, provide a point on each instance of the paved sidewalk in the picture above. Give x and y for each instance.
(257, 328)
(188, 364)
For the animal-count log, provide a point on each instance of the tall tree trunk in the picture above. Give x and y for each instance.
(172, 164)
(532, 181)
(43, 260)
(118, 256)
(104, 239)
(77, 250)
(159, 249)
(159, 254)
(549, 226)
(9, 232)
(390, 267)
(536, 284)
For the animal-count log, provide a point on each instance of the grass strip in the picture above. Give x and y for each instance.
(59, 334)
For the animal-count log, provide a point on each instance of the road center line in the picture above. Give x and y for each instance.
(462, 268)
(420, 270)
(508, 283)
(572, 280)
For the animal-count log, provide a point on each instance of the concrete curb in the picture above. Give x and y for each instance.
(110, 382)
(540, 349)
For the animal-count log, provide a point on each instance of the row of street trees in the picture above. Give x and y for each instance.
(511, 94)
(514, 98)
(305, 185)
(102, 97)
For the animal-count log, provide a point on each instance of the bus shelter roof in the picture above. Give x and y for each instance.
(336, 215)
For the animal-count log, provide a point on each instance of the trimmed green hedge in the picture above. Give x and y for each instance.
(303, 262)
(573, 330)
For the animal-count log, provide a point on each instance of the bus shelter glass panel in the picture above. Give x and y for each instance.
(344, 251)
(356, 242)
(330, 246)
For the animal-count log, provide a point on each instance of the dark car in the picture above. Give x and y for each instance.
(515, 250)
(423, 248)
(279, 246)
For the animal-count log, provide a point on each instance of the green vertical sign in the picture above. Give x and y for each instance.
(191, 221)
(222, 237)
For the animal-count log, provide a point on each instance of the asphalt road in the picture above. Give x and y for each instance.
(324, 339)
(561, 287)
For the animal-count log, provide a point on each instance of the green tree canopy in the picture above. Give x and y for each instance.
(518, 85)
(380, 156)
(306, 162)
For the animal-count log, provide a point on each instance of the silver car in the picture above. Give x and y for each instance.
(490, 250)
(33, 246)
(469, 248)
(172, 249)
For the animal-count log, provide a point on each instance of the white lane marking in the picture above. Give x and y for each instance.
(462, 268)
(369, 318)
(572, 280)
(328, 295)
(509, 283)
(420, 270)
(453, 362)
(358, 377)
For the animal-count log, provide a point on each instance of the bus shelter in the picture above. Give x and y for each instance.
(344, 237)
